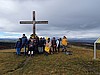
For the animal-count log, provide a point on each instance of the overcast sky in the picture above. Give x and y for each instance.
(72, 18)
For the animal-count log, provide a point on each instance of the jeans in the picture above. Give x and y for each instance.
(64, 48)
(46, 53)
(30, 51)
(40, 49)
(24, 50)
(18, 51)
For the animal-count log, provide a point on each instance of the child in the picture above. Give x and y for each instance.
(18, 46)
(31, 47)
(47, 47)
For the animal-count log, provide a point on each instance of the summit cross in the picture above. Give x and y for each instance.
(34, 22)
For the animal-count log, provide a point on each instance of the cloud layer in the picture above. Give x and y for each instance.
(73, 18)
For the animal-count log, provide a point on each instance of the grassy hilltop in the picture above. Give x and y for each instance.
(79, 63)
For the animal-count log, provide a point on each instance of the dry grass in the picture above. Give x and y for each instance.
(10, 50)
(79, 63)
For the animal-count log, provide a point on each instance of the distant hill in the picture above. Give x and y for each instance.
(85, 40)
(8, 39)
(9, 43)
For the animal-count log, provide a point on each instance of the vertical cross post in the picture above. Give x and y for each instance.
(34, 22)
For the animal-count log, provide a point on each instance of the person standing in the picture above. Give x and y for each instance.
(24, 43)
(44, 42)
(18, 46)
(53, 42)
(58, 44)
(36, 44)
(40, 47)
(48, 47)
(64, 44)
(30, 47)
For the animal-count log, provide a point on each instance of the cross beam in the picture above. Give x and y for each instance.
(34, 22)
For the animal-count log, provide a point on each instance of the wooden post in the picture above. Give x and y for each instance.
(34, 22)
(94, 50)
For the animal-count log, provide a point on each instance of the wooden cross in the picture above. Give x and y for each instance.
(34, 22)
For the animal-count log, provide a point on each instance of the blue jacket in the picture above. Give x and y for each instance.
(18, 44)
(24, 40)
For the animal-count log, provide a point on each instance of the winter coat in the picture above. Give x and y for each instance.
(64, 42)
(47, 47)
(53, 43)
(18, 44)
(58, 43)
(41, 43)
(31, 44)
(24, 40)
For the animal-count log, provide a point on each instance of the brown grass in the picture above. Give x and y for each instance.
(79, 63)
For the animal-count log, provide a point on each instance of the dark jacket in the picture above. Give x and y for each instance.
(24, 40)
(44, 41)
(31, 44)
(41, 42)
(18, 44)
(53, 42)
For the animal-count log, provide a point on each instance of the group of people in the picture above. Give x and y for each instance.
(36, 45)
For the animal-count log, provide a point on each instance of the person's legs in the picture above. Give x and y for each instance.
(51, 50)
(46, 53)
(24, 50)
(31, 51)
(58, 48)
(40, 49)
(18, 51)
(36, 49)
(62, 48)
(55, 49)
(43, 48)
(65, 48)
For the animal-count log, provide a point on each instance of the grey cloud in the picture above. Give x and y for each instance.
(65, 16)
(1, 28)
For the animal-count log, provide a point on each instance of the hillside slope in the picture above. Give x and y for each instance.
(79, 63)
